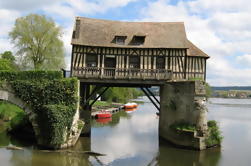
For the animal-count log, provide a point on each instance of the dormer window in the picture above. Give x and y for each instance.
(120, 40)
(138, 40)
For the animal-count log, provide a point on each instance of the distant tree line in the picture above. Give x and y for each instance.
(121, 95)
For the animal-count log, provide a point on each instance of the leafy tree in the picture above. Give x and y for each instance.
(7, 61)
(6, 65)
(208, 90)
(37, 39)
(8, 55)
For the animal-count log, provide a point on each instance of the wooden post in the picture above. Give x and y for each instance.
(154, 62)
(84, 60)
(85, 112)
(98, 61)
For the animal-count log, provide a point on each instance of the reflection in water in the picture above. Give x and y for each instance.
(177, 157)
(132, 139)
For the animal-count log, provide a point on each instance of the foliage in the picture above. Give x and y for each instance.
(101, 103)
(208, 90)
(9, 111)
(6, 65)
(7, 61)
(8, 56)
(58, 119)
(183, 126)
(121, 95)
(52, 100)
(12, 114)
(30, 75)
(214, 137)
(20, 120)
(37, 39)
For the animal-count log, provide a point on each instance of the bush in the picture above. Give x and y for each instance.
(183, 126)
(58, 119)
(214, 138)
(30, 75)
(20, 120)
(52, 97)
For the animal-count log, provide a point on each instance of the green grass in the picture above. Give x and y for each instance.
(8, 111)
(11, 114)
(182, 126)
(102, 103)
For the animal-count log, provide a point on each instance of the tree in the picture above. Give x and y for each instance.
(8, 55)
(6, 65)
(7, 61)
(208, 90)
(37, 39)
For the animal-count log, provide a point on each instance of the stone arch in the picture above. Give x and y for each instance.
(7, 95)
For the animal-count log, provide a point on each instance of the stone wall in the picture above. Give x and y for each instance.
(183, 102)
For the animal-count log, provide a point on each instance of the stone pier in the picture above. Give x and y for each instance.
(183, 102)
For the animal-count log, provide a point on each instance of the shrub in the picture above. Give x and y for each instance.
(183, 126)
(52, 98)
(214, 135)
(30, 75)
(58, 120)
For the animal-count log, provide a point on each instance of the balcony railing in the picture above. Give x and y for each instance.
(122, 73)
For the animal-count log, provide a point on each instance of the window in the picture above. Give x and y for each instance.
(91, 60)
(120, 40)
(138, 40)
(134, 62)
(160, 63)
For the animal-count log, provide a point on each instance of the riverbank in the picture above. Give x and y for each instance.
(11, 116)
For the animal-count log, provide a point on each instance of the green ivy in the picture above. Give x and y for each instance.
(183, 126)
(52, 97)
(58, 119)
(214, 138)
(30, 75)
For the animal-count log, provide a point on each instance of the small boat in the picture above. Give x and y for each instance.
(103, 114)
(130, 105)
(130, 109)
(104, 120)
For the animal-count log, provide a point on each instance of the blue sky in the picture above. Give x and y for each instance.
(221, 28)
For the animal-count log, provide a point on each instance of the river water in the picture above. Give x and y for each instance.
(131, 139)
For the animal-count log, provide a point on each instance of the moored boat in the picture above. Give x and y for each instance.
(130, 105)
(103, 114)
(103, 120)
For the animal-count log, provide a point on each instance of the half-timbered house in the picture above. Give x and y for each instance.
(138, 52)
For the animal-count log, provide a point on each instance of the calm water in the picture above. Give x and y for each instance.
(131, 138)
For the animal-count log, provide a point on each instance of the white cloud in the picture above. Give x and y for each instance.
(220, 28)
(245, 60)
(212, 6)
(7, 18)
(25, 5)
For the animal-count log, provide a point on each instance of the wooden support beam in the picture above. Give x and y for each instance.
(156, 106)
(151, 93)
(106, 88)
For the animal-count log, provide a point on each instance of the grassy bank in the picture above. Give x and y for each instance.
(10, 116)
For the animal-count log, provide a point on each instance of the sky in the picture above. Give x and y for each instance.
(221, 28)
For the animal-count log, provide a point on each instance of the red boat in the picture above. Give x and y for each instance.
(103, 114)
(104, 120)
